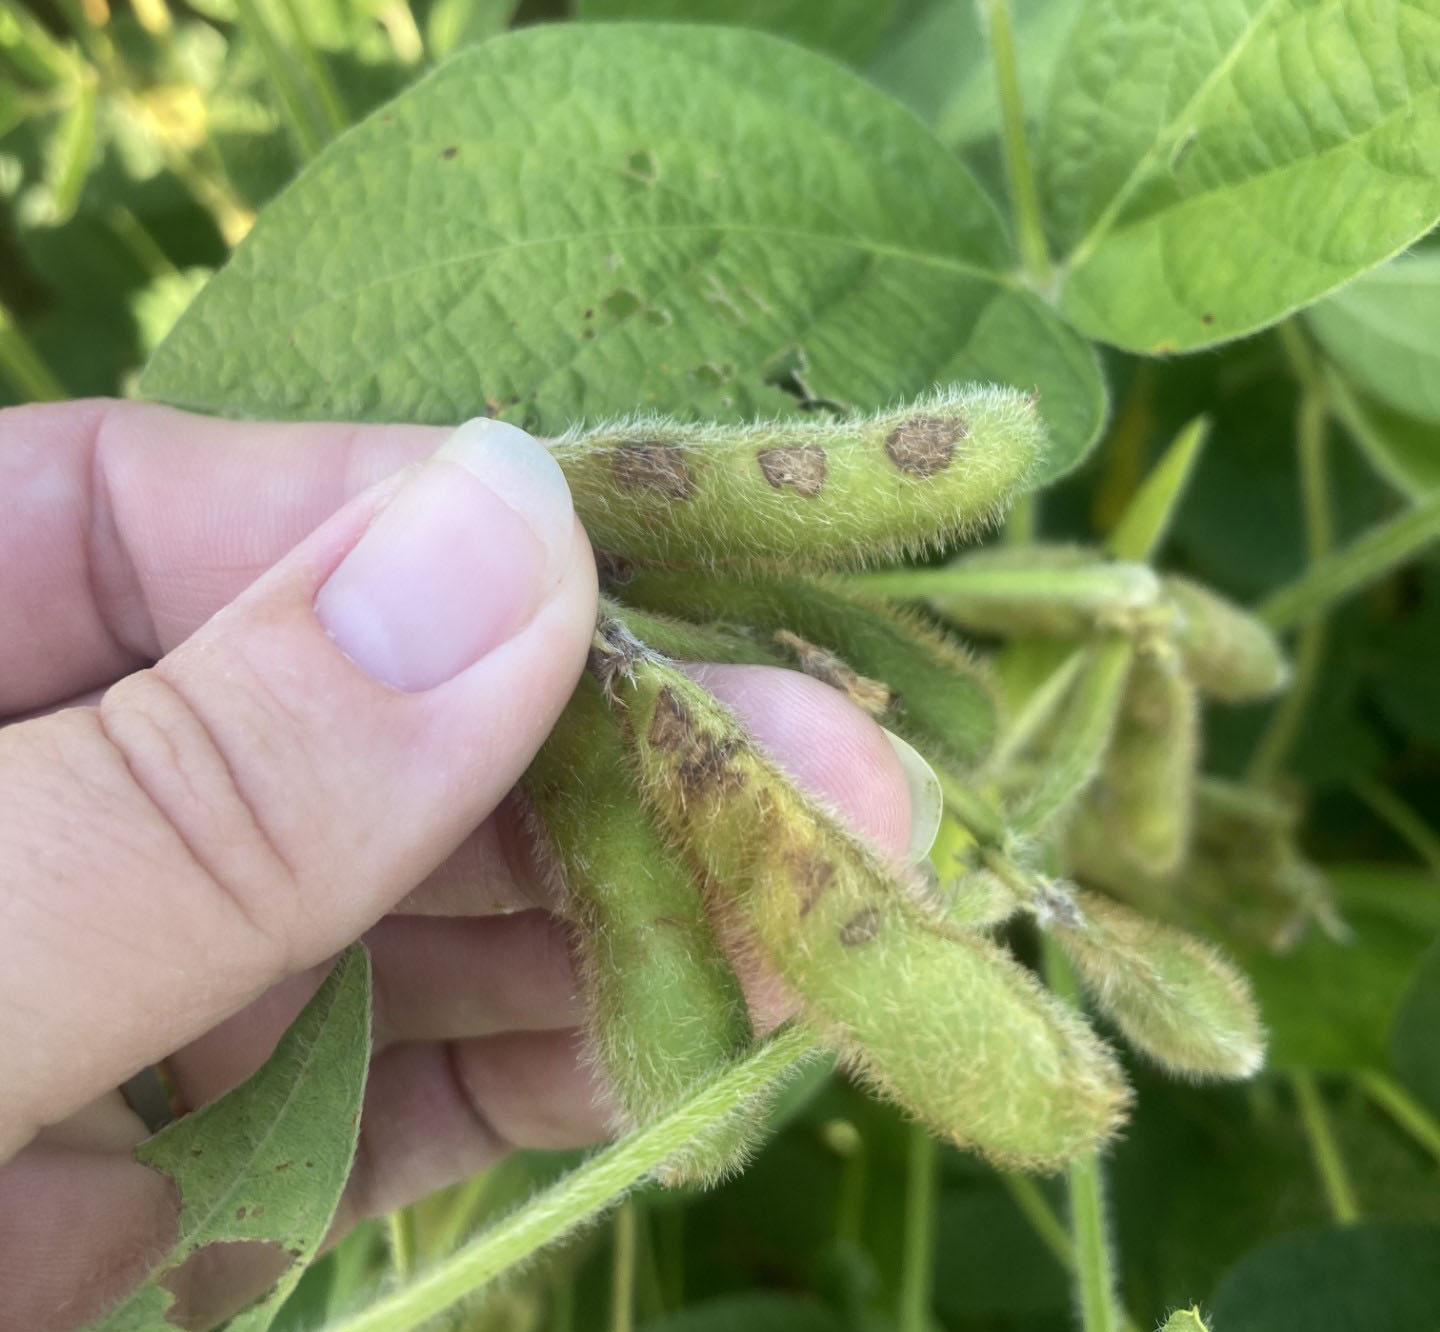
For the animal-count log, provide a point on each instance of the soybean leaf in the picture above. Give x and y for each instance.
(1382, 1277)
(934, 59)
(1414, 1049)
(847, 29)
(1403, 450)
(1330, 1005)
(1202, 160)
(734, 227)
(266, 1162)
(1384, 331)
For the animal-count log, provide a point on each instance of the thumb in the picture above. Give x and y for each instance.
(253, 802)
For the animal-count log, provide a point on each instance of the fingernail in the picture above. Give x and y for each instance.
(456, 563)
(927, 803)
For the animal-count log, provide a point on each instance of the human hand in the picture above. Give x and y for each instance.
(274, 696)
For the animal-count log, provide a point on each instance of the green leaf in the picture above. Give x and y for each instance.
(1382, 1277)
(1404, 451)
(1329, 1006)
(1414, 1049)
(1383, 330)
(267, 1162)
(518, 235)
(847, 29)
(1146, 520)
(1202, 159)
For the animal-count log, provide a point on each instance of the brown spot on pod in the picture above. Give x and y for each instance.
(655, 467)
(812, 878)
(800, 468)
(861, 927)
(923, 446)
(704, 763)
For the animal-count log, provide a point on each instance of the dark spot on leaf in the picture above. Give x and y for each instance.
(284, 1165)
(712, 374)
(643, 167)
(659, 316)
(923, 446)
(654, 467)
(800, 468)
(621, 303)
(589, 314)
(860, 928)
(197, 1151)
(1207, 318)
(240, 1213)
(309, 1165)
(449, 153)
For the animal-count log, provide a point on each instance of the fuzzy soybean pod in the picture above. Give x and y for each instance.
(1230, 654)
(804, 494)
(941, 1020)
(1147, 791)
(943, 699)
(1054, 590)
(666, 1010)
(1174, 998)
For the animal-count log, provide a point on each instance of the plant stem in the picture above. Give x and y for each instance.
(917, 1268)
(582, 1194)
(461, 1214)
(1284, 726)
(308, 140)
(1090, 1239)
(622, 1269)
(400, 1227)
(1033, 1205)
(1355, 566)
(1403, 1108)
(1330, 1165)
(1019, 173)
(332, 108)
(21, 365)
(1412, 829)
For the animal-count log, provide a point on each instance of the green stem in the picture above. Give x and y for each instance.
(1403, 1108)
(293, 110)
(1090, 1239)
(1355, 566)
(1036, 1209)
(1024, 521)
(846, 1141)
(1037, 712)
(582, 1194)
(400, 1227)
(131, 233)
(1364, 433)
(1411, 828)
(917, 1268)
(1329, 1164)
(1019, 173)
(327, 95)
(21, 365)
(622, 1269)
(1284, 725)
(461, 1215)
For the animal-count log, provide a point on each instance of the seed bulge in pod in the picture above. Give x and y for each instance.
(665, 1009)
(804, 494)
(944, 1022)
(1230, 654)
(1146, 793)
(1174, 998)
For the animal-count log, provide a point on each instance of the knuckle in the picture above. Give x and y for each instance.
(179, 767)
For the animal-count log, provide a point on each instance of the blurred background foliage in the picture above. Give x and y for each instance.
(137, 142)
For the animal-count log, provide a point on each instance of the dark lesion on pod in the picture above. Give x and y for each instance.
(812, 876)
(861, 927)
(704, 764)
(924, 446)
(654, 467)
(797, 467)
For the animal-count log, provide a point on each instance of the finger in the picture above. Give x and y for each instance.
(434, 979)
(285, 776)
(79, 1229)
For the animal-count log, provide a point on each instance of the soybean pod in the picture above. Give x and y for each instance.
(943, 699)
(804, 494)
(666, 1011)
(941, 1020)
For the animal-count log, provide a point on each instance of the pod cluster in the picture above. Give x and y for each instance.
(683, 851)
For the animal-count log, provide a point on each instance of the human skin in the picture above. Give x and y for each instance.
(215, 773)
